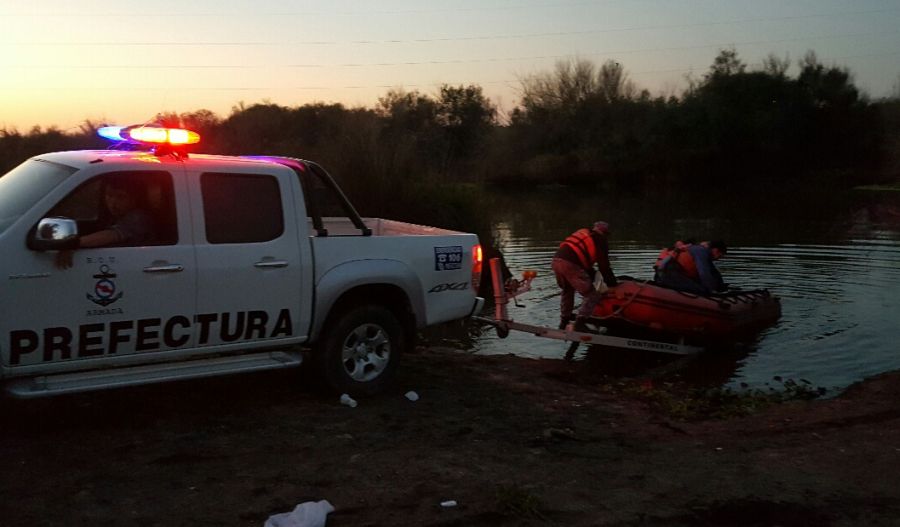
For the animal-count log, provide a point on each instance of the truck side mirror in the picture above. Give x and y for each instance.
(54, 234)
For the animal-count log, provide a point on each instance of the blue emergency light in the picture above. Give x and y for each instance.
(149, 135)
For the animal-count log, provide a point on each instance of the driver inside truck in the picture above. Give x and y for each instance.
(128, 223)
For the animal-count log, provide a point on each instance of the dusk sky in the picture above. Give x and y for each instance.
(64, 61)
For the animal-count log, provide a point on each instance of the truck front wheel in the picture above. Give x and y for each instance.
(359, 350)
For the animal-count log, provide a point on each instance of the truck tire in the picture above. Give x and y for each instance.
(359, 350)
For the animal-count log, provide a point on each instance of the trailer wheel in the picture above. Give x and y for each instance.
(359, 350)
(502, 331)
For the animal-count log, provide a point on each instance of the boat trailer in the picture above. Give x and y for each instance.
(503, 292)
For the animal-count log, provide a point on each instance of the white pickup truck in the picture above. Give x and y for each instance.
(215, 265)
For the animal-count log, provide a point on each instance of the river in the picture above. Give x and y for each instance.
(832, 258)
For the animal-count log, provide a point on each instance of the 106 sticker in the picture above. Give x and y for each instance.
(448, 258)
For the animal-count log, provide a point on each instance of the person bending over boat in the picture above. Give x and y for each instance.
(573, 265)
(690, 267)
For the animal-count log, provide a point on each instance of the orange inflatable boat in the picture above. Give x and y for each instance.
(647, 306)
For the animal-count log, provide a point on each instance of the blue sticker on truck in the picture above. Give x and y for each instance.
(448, 258)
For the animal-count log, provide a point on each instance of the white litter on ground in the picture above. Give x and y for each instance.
(307, 514)
(346, 400)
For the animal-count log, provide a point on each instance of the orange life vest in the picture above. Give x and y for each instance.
(581, 242)
(682, 257)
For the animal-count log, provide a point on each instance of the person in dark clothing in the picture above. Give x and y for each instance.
(129, 224)
(690, 267)
(573, 265)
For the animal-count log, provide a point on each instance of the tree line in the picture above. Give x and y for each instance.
(581, 123)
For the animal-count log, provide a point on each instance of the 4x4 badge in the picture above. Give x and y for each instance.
(105, 288)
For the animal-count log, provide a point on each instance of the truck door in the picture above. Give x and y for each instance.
(249, 289)
(132, 297)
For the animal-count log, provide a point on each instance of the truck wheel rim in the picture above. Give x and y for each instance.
(366, 352)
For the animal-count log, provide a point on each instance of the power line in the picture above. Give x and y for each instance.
(454, 39)
(455, 61)
(596, 53)
(387, 86)
(169, 14)
(271, 88)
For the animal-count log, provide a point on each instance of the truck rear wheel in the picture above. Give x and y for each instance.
(359, 350)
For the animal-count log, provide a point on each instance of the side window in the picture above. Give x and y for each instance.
(84, 204)
(321, 198)
(241, 208)
(139, 205)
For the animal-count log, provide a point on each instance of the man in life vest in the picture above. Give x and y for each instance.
(573, 265)
(689, 267)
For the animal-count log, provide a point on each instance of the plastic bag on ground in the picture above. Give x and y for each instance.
(307, 514)
(346, 400)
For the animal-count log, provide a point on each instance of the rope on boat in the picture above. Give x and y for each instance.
(618, 311)
(724, 300)
(744, 297)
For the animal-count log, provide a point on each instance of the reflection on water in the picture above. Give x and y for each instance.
(833, 260)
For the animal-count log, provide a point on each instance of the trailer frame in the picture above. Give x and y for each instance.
(504, 324)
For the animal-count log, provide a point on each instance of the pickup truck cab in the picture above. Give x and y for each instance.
(215, 265)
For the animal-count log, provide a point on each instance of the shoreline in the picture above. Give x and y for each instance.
(514, 441)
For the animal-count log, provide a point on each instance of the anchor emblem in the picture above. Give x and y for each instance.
(104, 288)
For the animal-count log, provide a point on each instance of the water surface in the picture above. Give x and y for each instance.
(833, 259)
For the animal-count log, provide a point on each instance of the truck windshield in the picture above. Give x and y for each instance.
(23, 186)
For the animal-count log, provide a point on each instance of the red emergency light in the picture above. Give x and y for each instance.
(152, 135)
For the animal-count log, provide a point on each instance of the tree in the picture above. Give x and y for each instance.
(725, 64)
(827, 86)
(774, 66)
(200, 120)
(258, 129)
(466, 117)
(572, 82)
(409, 135)
(464, 107)
(613, 82)
(407, 111)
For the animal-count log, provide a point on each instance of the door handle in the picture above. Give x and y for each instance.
(270, 264)
(174, 268)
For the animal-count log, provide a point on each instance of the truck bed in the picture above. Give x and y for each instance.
(339, 226)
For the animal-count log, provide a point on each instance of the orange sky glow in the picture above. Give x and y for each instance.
(62, 62)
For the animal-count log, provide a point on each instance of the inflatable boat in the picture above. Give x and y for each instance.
(650, 307)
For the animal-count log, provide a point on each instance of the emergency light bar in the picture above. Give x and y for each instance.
(149, 135)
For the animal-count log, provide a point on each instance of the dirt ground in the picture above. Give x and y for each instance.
(513, 441)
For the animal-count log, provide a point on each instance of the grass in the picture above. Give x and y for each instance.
(889, 187)
(515, 501)
(687, 403)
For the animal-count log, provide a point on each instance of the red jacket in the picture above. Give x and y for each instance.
(585, 247)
